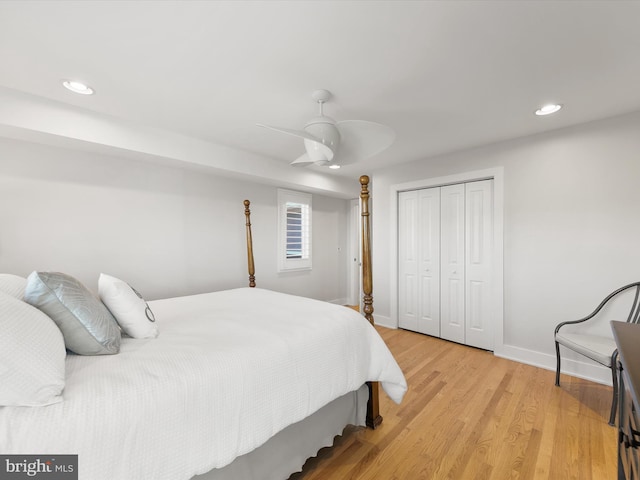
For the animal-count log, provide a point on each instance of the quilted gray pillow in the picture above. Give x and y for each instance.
(87, 326)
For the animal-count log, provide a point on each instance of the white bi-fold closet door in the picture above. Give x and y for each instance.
(444, 262)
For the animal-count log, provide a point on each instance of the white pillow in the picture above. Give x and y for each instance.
(128, 307)
(32, 356)
(12, 285)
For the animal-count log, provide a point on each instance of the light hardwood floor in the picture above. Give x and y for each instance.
(471, 415)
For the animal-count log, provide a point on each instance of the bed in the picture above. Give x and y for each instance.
(244, 384)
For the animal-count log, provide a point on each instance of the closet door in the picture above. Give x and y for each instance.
(452, 258)
(429, 257)
(479, 246)
(419, 261)
(408, 260)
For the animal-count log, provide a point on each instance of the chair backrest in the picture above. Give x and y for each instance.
(634, 313)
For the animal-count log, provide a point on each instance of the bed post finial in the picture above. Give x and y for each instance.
(373, 418)
(252, 270)
(367, 281)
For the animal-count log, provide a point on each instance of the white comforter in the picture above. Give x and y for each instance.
(228, 371)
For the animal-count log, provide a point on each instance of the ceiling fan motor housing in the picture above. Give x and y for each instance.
(325, 130)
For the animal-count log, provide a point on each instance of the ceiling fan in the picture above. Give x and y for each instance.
(330, 143)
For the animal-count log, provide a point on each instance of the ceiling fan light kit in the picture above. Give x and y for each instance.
(330, 143)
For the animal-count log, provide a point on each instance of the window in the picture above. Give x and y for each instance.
(294, 230)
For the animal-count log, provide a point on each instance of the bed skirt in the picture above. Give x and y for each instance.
(286, 452)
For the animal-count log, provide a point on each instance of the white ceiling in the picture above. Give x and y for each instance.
(446, 75)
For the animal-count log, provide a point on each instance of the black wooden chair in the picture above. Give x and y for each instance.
(596, 347)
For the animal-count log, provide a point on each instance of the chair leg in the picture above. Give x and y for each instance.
(614, 401)
(557, 364)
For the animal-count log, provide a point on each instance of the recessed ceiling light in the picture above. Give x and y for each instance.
(78, 87)
(548, 109)
(334, 166)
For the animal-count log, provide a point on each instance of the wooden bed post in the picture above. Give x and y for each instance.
(373, 419)
(367, 281)
(252, 270)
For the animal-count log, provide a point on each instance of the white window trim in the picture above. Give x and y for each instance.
(292, 264)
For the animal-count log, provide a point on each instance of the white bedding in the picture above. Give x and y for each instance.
(228, 371)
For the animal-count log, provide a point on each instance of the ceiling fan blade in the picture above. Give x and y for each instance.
(363, 139)
(318, 151)
(289, 131)
(302, 161)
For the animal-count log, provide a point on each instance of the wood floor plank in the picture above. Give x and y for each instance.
(471, 415)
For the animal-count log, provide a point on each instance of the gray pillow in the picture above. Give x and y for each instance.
(87, 326)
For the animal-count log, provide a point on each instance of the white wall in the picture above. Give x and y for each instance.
(166, 230)
(571, 228)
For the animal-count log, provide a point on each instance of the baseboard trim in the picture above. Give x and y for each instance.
(588, 371)
(339, 301)
(384, 321)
